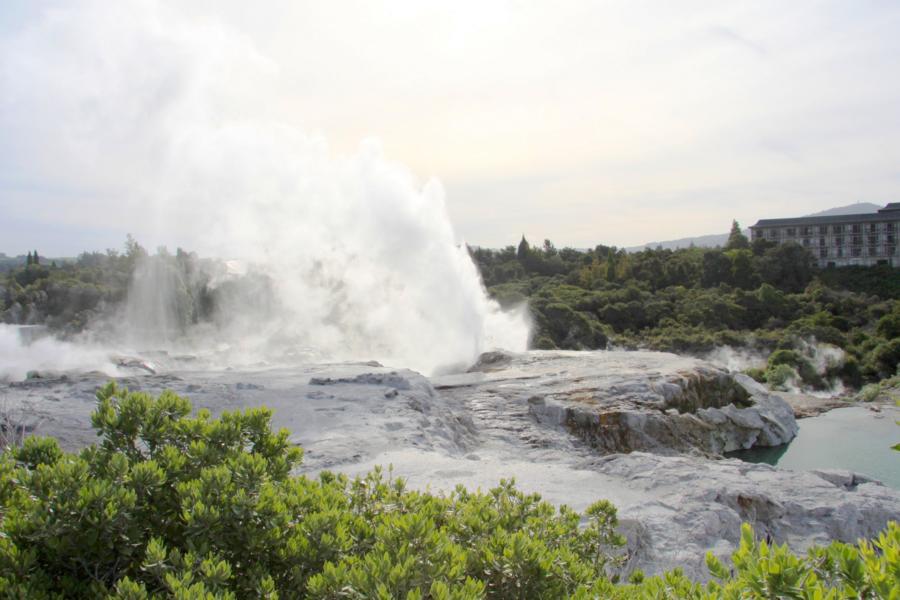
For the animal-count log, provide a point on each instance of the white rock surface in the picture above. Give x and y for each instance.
(693, 505)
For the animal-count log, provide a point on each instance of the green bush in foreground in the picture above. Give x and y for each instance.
(170, 505)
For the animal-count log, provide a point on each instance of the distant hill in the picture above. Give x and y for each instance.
(719, 239)
(704, 241)
(851, 209)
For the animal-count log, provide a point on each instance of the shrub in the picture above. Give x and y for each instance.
(888, 326)
(868, 570)
(884, 358)
(782, 377)
(169, 505)
(184, 506)
(869, 393)
(850, 372)
(757, 374)
(570, 329)
(800, 365)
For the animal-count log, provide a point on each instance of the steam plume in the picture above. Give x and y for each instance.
(166, 127)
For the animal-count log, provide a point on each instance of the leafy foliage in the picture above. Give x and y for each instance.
(762, 296)
(173, 505)
(867, 570)
(189, 506)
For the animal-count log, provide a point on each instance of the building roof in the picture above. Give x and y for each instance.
(888, 213)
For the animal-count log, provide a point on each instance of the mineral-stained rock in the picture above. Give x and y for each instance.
(650, 401)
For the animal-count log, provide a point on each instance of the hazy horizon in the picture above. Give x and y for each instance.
(618, 123)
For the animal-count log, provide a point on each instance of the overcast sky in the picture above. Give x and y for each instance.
(617, 122)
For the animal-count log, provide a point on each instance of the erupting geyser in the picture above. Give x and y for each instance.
(170, 124)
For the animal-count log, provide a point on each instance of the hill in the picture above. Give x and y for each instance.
(704, 241)
(858, 208)
(719, 239)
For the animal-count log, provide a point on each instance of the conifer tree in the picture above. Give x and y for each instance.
(522, 252)
(736, 239)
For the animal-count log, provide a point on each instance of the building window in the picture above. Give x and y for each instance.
(823, 252)
(873, 251)
(837, 229)
(857, 240)
(891, 250)
(772, 234)
(791, 231)
(805, 231)
(856, 251)
(856, 228)
(806, 241)
(838, 241)
(840, 252)
(822, 230)
(890, 238)
(888, 226)
(873, 239)
(822, 241)
(757, 234)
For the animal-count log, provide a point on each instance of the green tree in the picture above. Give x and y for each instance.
(736, 239)
(716, 269)
(549, 248)
(523, 250)
(788, 267)
(134, 252)
(743, 272)
(612, 263)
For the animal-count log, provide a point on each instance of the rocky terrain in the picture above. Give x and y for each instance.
(642, 429)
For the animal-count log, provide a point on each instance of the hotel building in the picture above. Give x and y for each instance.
(840, 240)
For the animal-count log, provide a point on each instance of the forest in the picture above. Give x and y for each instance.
(765, 298)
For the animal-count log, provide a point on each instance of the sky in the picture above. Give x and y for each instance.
(613, 122)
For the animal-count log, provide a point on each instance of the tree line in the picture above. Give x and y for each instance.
(760, 296)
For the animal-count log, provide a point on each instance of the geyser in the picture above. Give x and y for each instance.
(170, 129)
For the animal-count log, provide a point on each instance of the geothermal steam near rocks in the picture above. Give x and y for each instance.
(154, 123)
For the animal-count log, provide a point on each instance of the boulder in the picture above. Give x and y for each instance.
(692, 505)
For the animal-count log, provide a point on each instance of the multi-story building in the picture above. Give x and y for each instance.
(840, 240)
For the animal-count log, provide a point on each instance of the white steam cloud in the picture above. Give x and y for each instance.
(167, 127)
(20, 355)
